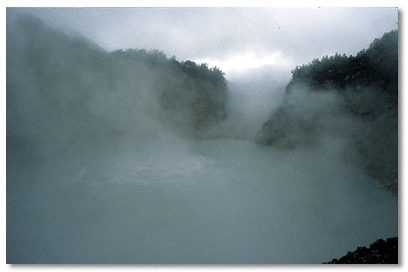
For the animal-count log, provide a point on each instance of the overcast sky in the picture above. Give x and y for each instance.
(240, 41)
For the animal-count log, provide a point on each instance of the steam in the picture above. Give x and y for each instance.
(329, 122)
(67, 92)
(101, 170)
(248, 107)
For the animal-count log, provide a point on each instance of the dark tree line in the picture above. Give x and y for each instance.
(196, 91)
(376, 66)
(347, 97)
(158, 58)
(60, 85)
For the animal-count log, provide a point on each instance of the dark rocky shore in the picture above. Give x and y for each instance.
(379, 252)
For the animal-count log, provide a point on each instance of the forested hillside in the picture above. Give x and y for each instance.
(63, 89)
(375, 67)
(344, 103)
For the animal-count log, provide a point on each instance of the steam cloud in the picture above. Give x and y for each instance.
(113, 162)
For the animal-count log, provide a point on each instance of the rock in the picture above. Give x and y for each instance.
(379, 252)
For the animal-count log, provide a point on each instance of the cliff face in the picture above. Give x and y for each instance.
(351, 102)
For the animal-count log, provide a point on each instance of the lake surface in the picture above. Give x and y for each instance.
(174, 201)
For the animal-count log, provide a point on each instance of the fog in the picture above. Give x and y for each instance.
(100, 170)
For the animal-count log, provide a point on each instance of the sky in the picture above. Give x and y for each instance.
(246, 42)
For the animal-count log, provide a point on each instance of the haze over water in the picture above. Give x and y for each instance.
(155, 196)
(216, 201)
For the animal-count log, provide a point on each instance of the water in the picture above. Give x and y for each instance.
(192, 202)
(140, 194)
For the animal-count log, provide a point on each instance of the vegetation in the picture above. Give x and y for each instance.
(67, 89)
(353, 100)
(193, 96)
(377, 66)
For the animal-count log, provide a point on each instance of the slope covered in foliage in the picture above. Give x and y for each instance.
(63, 89)
(375, 67)
(345, 103)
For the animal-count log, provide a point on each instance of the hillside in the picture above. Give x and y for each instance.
(132, 157)
(63, 89)
(347, 104)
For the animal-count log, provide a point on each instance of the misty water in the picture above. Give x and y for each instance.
(178, 201)
(78, 193)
